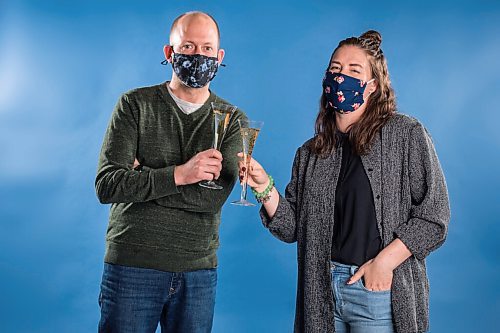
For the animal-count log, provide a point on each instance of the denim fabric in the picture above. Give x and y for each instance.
(357, 309)
(137, 299)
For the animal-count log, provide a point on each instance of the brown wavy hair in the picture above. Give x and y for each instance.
(379, 108)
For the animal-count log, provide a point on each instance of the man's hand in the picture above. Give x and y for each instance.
(202, 166)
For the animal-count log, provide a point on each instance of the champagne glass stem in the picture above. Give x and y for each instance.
(221, 115)
(249, 130)
(244, 186)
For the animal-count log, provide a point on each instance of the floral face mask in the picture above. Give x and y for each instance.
(343, 93)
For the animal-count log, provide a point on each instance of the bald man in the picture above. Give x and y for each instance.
(160, 262)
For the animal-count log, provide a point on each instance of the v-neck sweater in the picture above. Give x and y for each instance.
(153, 223)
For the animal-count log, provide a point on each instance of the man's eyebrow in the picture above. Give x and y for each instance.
(192, 42)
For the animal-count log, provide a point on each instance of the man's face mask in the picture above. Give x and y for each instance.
(194, 70)
(343, 93)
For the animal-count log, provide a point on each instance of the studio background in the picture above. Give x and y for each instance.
(64, 64)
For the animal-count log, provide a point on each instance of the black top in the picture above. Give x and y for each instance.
(356, 238)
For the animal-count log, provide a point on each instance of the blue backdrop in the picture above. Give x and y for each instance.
(63, 65)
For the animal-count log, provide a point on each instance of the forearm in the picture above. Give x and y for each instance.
(427, 224)
(278, 215)
(277, 212)
(116, 180)
(270, 205)
(121, 185)
(196, 198)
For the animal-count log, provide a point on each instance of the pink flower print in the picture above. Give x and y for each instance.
(355, 106)
(327, 90)
(340, 96)
(362, 83)
(339, 79)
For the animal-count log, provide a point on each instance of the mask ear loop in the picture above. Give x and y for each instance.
(370, 81)
(219, 64)
(367, 83)
(165, 62)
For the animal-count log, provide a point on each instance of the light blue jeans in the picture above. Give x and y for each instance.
(357, 309)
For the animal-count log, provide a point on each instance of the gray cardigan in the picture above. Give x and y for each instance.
(411, 203)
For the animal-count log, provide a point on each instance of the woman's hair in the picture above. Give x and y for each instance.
(379, 108)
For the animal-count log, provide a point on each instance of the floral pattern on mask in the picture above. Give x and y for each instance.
(194, 70)
(343, 93)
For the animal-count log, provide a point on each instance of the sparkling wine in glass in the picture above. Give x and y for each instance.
(222, 114)
(249, 130)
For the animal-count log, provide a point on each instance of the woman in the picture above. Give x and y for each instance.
(367, 202)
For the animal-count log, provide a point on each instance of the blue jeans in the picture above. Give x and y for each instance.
(137, 299)
(357, 309)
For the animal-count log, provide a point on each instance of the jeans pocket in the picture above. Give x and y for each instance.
(362, 284)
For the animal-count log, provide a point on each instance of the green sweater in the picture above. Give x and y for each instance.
(153, 223)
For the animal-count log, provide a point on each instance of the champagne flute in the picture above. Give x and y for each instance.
(249, 130)
(222, 114)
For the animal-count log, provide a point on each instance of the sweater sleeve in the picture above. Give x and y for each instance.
(427, 225)
(283, 225)
(116, 181)
(195, 198)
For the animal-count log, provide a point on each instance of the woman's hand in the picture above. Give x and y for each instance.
(378, 272)
(377, 275)
(257, 176)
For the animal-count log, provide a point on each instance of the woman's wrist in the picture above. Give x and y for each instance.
(262, 187)
(264, 195)
(393, 254)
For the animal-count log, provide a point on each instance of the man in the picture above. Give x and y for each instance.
(160, 261)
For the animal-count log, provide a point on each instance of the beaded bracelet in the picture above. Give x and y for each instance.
(264, 197)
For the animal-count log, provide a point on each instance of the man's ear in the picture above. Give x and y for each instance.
(220, 55)
(167, 51)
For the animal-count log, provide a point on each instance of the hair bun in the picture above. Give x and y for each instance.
(372, 40)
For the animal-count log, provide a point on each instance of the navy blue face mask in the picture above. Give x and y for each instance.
(194, 70)
(343, 93)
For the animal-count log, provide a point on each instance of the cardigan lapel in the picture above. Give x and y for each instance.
(372, 163)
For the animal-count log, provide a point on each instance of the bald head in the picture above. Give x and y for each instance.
(192, 20)
(194, 33)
